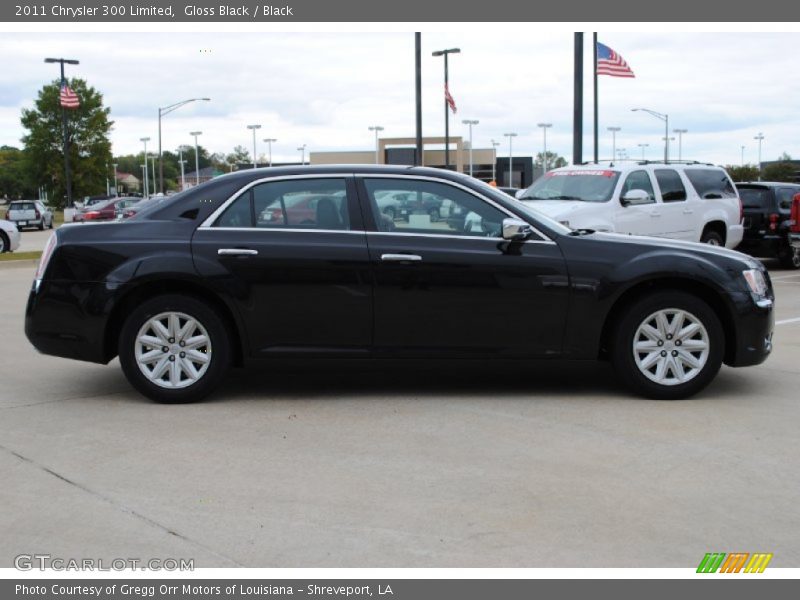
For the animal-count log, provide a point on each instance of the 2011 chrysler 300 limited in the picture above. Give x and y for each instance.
(303, 262)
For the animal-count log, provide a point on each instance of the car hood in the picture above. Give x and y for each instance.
(559, 209)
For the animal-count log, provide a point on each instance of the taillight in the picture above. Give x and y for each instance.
(795, 214)
(773, 221)
(92, 214)
(38, 214)
(47, 253)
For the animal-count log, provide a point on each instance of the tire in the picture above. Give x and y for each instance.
(40, 226)
(52, 222)
(712, 238)
(654, 374)
(175, 385)
(790, 258)
(5, 244)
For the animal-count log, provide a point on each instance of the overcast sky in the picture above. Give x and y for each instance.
(325, 89)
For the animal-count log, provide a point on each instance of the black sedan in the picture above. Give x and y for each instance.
(301, 262)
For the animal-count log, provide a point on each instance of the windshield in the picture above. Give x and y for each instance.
(584, 185)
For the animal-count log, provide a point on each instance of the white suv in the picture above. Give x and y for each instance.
(685, 201)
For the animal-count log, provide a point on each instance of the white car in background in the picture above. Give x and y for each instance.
(9, 236)
(685, 201)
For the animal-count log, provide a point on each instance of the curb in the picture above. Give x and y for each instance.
(19, 264)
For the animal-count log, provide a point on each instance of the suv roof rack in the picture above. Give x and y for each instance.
(676, 162)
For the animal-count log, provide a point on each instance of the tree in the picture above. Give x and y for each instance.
(14, 181)
(782, 170)
(553, 161)
(742, 173)
(89, 144)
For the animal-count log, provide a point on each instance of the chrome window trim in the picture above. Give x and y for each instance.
(464, 188)
(286, 229)
(208, 223)
(456, 237)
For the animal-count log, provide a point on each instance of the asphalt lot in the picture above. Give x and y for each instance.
(32, 240)
(427, 466)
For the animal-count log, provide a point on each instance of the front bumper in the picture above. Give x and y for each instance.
(755, 323)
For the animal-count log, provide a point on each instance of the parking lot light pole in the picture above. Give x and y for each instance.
(116, 185)
(269, 148)
(614, 131)
(165, 111)
(153, 165)
(302, 150)
(253, 128)
(146, 190)
(445, 53)
(182, 163)
(742, 155)
(662, 117)
(377, 129)
(196, 157)
(67, 172)
(470, 122)
(510, 137)
(144, 178)
(680, 133)
(545, 127)
(643, 146)
(760, 138)
(494, 160)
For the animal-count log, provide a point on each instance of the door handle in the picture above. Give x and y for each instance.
(236, 252)
(401, 257)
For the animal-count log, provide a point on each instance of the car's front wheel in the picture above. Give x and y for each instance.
(174, 348)
(668, 345)
(5, 244)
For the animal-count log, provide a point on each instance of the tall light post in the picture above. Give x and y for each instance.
(182, 162)
(742, 155)
(664, 118)
(269, 148)
(622, 153)
(545, 127)
(614, 131)
(377, 129)
(146, 178)
(162, 112)
(116, 185)
(153, 165)
(253, 128)
(302, 150)
(494, 160)
(67, 172)
(196, 157)
(643, 146)
(445, 53)
(760, 138)
(510, 137)
(470, 122)
(680, 133)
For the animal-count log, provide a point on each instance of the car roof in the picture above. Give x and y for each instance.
(766, 184)
(630, 165)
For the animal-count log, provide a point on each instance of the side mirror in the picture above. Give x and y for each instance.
(515, 230)
(519, 193)
(635, 197)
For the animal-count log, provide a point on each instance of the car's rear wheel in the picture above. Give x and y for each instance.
(790, 258)
(712, 238)
(174, 348)
(668, 346)
(5, 244)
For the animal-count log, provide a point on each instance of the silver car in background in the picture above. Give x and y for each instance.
(9, 236)
(30, 213)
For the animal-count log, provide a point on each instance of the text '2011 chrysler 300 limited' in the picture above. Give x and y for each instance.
(302, 262)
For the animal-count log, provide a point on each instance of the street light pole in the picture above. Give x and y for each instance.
(614, 131)
(146, 178)
(153, 164)
(545, 127)
(470, 122)
(269, 148)
(253, 128)
(510, 137)
(182, 162)
(665, 118)
(742, 155)
(494, 161)
(760, 138)
(302, 150)
(377, 129)
(445, 53)
(196, 157)
(116, 185)
(680, 133)
(643, 146)
(67, 172)
(165, 111)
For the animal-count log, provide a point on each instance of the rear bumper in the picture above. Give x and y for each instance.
(69, 319)
(735, 235)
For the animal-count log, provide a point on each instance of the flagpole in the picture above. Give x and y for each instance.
(577, 102)
(594, 71)
(67, 173)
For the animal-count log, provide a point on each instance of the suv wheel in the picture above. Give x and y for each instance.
(790, 258)
(712, 238)
(5, 245)
(669, 346)
(174, 349)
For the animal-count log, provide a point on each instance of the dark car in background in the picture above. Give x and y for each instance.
(202, 281)
(767, 211)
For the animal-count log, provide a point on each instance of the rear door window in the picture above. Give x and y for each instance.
(785, 196)
(711, 184)
(671, 185)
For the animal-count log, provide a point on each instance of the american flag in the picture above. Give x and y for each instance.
(449, 99)
(69, 99)
(611, 63)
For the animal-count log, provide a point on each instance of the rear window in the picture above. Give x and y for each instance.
(711, 184)
(785, 196)
(754, 198)
(22, 206)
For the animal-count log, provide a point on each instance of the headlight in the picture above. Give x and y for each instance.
(755, 281)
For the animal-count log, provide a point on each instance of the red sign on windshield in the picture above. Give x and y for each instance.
(584, 172)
